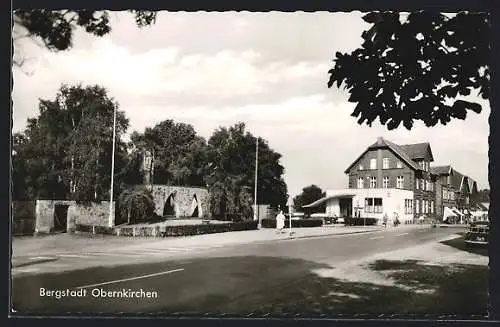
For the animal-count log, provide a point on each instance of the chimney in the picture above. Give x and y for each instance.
(380, 140)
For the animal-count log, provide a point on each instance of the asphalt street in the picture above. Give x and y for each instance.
(221, 279)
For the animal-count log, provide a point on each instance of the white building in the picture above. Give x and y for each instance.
(368, 203)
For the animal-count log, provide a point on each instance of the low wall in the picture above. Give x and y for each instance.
(95, 214)
(23, 218)
(45, 214)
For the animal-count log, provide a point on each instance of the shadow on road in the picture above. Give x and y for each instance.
(260, 285)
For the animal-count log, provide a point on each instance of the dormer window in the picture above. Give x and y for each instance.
(399, 164)
(360, 167)
(373, 163)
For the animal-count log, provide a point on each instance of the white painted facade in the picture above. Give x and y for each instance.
(383, 201)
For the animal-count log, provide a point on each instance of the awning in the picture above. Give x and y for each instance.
(448, 212)
(326, 198)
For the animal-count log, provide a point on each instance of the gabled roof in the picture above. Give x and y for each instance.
(441, 170)
(472, 183)
(418, 150)
(396, 149)
(458, 179)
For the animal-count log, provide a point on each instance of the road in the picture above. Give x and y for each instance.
(238, 278)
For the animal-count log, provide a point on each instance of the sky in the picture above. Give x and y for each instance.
(269, 70)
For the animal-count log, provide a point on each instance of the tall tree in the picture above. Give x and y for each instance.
(309, 194)
(416, 66)
(179, 153)
(55, 29)
(65, 153)
(230, 179)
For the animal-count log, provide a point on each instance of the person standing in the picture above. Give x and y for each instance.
(280, 221)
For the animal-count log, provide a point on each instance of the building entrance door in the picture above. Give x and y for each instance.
(60, 217)
(345, 205)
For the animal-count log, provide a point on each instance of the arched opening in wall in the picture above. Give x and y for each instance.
(169, 207)
(195, 207)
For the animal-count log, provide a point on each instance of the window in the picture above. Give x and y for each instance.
(368, 205)
(373, 163)
(373, 182)
(417, 182)
(385, 163)
(426, 206)
(386, 182)
(432, 206)
(417, 206)
(373, 205)
(422, 184)
(427, 186)
(360, 182)
(408, 206)
(400, 182)
(399, 164)
(360, 167)
(377, 202)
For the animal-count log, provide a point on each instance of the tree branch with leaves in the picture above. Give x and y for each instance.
(419, 66)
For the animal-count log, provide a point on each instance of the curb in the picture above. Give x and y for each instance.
(337, 234)
(33, 262)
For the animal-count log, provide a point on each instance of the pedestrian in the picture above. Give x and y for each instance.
(385, 219)
(280, 221)
(396, 219)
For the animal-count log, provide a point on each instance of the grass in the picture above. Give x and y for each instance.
(459, 243)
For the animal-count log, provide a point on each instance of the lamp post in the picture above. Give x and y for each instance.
(289, 203)
(111, 216)
(259, 225)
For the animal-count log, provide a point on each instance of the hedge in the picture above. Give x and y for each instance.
(271, 223)
(168, 231)
(352, 221)
(207, 228)
(97, 229)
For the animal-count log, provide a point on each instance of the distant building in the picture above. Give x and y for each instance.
(388, 178)
(386, 165)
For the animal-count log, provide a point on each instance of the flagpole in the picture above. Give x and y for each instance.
(259, 225)
(111, 216)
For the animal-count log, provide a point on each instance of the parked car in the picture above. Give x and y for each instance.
(478, 233)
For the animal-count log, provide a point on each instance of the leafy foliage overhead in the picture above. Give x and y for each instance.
(56, 28)
(416, 66)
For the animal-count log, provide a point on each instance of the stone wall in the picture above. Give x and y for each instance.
(23, 218)
(45, 210)
(94, 214)
(182, 200)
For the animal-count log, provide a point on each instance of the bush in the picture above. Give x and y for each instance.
(352, 221)
(135, 205)
(271, 223)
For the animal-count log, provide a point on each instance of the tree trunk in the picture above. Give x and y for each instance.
(128, 212)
